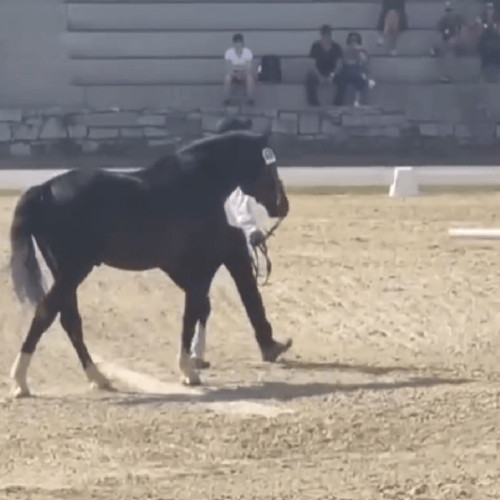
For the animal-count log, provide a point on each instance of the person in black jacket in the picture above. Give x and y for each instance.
(326, 61)
(450, 28)
(355, 67)
(489, 41)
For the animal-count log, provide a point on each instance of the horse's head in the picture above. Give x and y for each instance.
(237, 158)
(263, 182)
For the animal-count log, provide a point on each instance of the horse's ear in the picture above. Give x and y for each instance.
(264, 137)
(267, 131)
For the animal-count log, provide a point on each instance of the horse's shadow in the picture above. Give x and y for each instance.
(287, 391)
(366, 369)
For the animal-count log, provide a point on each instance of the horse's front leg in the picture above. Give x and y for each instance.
(239, 265)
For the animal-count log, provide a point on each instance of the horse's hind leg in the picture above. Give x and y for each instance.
(45, 315)
(199, 340)
(192, 307)
(71, 321)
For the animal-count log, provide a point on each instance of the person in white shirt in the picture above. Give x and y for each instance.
(239, 61)
(239, 213)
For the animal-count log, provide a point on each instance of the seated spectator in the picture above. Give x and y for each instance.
(326, 58)
(469, 37)
(355, 68)
(489, 39)
(450, 28)
(489, 18)
(392, 22)
(239, 71)
(496, 5)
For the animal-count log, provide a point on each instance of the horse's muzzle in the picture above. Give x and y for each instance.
(283, 207)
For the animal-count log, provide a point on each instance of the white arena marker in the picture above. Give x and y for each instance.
(405, 183)
(475, 234)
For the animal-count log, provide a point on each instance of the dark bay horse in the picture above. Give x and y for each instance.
(168, 216)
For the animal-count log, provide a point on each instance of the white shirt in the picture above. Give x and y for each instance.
(238, 60)
(241, 212)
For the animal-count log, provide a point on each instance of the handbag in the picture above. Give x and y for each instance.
(270, 69)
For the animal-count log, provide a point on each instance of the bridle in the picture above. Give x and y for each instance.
(262, 247)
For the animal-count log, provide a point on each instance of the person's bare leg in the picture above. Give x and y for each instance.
(228, 81)
(391, 30)
(250, 82)
(450, 56)
(384, 33)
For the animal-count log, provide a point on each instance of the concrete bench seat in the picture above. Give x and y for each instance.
(192, 71)
(121, 2)
(430, 101)
(214, 43)
(239, 16)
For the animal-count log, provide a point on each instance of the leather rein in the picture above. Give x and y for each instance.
(262, 247)
(270, 159)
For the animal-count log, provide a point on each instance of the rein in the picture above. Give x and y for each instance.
(262, 247)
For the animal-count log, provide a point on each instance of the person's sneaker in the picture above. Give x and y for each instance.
(356, 104)
(380, 41)
(200, 364)
(445, 79)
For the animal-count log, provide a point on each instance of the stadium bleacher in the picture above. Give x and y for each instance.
(141, 54)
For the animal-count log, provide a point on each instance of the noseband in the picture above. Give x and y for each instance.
(262, 247)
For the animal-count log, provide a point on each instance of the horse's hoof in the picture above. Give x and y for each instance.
(102, 386)
(277, 349)
(191, 381)
(20, 392)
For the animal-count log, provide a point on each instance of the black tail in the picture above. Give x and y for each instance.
(25, 269)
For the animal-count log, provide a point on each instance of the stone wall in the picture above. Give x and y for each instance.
(366, 130)
(80, 132)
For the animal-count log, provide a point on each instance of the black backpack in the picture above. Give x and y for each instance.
(270, 69)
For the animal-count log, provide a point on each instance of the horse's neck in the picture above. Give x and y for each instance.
(219, 177)
(214, 191)
(210, 182)
(200, 195)
(162, 172)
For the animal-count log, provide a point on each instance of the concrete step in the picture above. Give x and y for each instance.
(190, 97)
(121, 2)
(214, 43)
(441, 102)
(188, 71)
(239, 16)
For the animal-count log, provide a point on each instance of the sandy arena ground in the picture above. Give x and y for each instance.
(391, 390)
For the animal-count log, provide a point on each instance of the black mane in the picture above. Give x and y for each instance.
(215, 164)
(234, 123)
